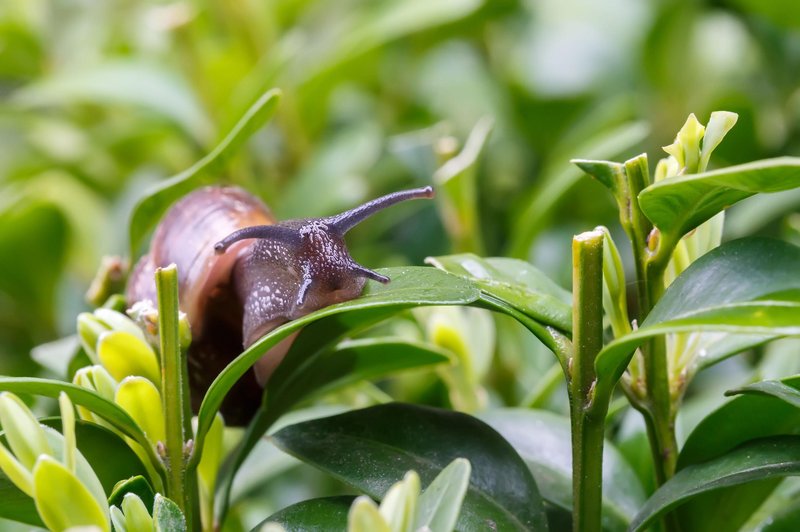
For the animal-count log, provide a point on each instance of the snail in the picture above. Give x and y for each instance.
(241, 273)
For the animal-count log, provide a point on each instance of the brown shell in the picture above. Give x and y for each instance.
(186, 237)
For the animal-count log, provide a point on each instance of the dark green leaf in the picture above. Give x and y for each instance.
(543, 440)
(678, 205)
(372, 448)
(758, 460)
(410, 287)
(777, 389)
(137, 485)
(741, 419)
(150, 208)
(346, 364)
(328, 513)
(747, 286)
(515, 282)
(16, 505)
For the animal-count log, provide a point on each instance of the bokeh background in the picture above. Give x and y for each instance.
(102, 99)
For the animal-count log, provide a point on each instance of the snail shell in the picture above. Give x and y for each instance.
(241, 274)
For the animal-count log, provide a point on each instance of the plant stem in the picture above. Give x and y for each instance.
(173, 378)
(587, 409)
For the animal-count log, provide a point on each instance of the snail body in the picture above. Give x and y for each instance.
(242, 273)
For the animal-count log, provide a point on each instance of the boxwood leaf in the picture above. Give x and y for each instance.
(748, 286)
(543, 441)
(371, 449)
(410, 287)
(325, 513)
(678, 205)
(516, 282)
(757, 460)
(782, 391)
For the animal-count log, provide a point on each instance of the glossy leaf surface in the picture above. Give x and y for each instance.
(758, 460)
(515, 282)
(314, 514)
(543, 440)
(747, 286)
(372, 448)
(410, 287)
(678, 205)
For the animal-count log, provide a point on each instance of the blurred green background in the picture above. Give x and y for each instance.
(101, 99)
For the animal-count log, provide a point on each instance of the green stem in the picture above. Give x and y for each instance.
(587, 409)
(173, 377)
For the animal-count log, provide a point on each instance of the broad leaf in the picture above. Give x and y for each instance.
(543, 440)
(205, 171)
(347, 363)
(327, 513)
(743, 418)
(410, 287)
(678, 205)
(747, 286)
(758, 460)
(371, 449)
(516, 282)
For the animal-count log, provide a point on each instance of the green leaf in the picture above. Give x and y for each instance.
(80, 396)
(167, 516)
(457, 190)
(23, 432)
(62, 500)
(16, 505)
(205, 171)
(327, 513)
(771, 388)
(745, 417)
(365, 516)
(410, 287)
(140, 398)
(440, 503)
(370, 449)
(137, 485)
(543, 440)
(125, 355)
(137, 516)
(106, 453)
(758, 460)
(678, 205)
(747, 286)
(515, 282)
(345, 364)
